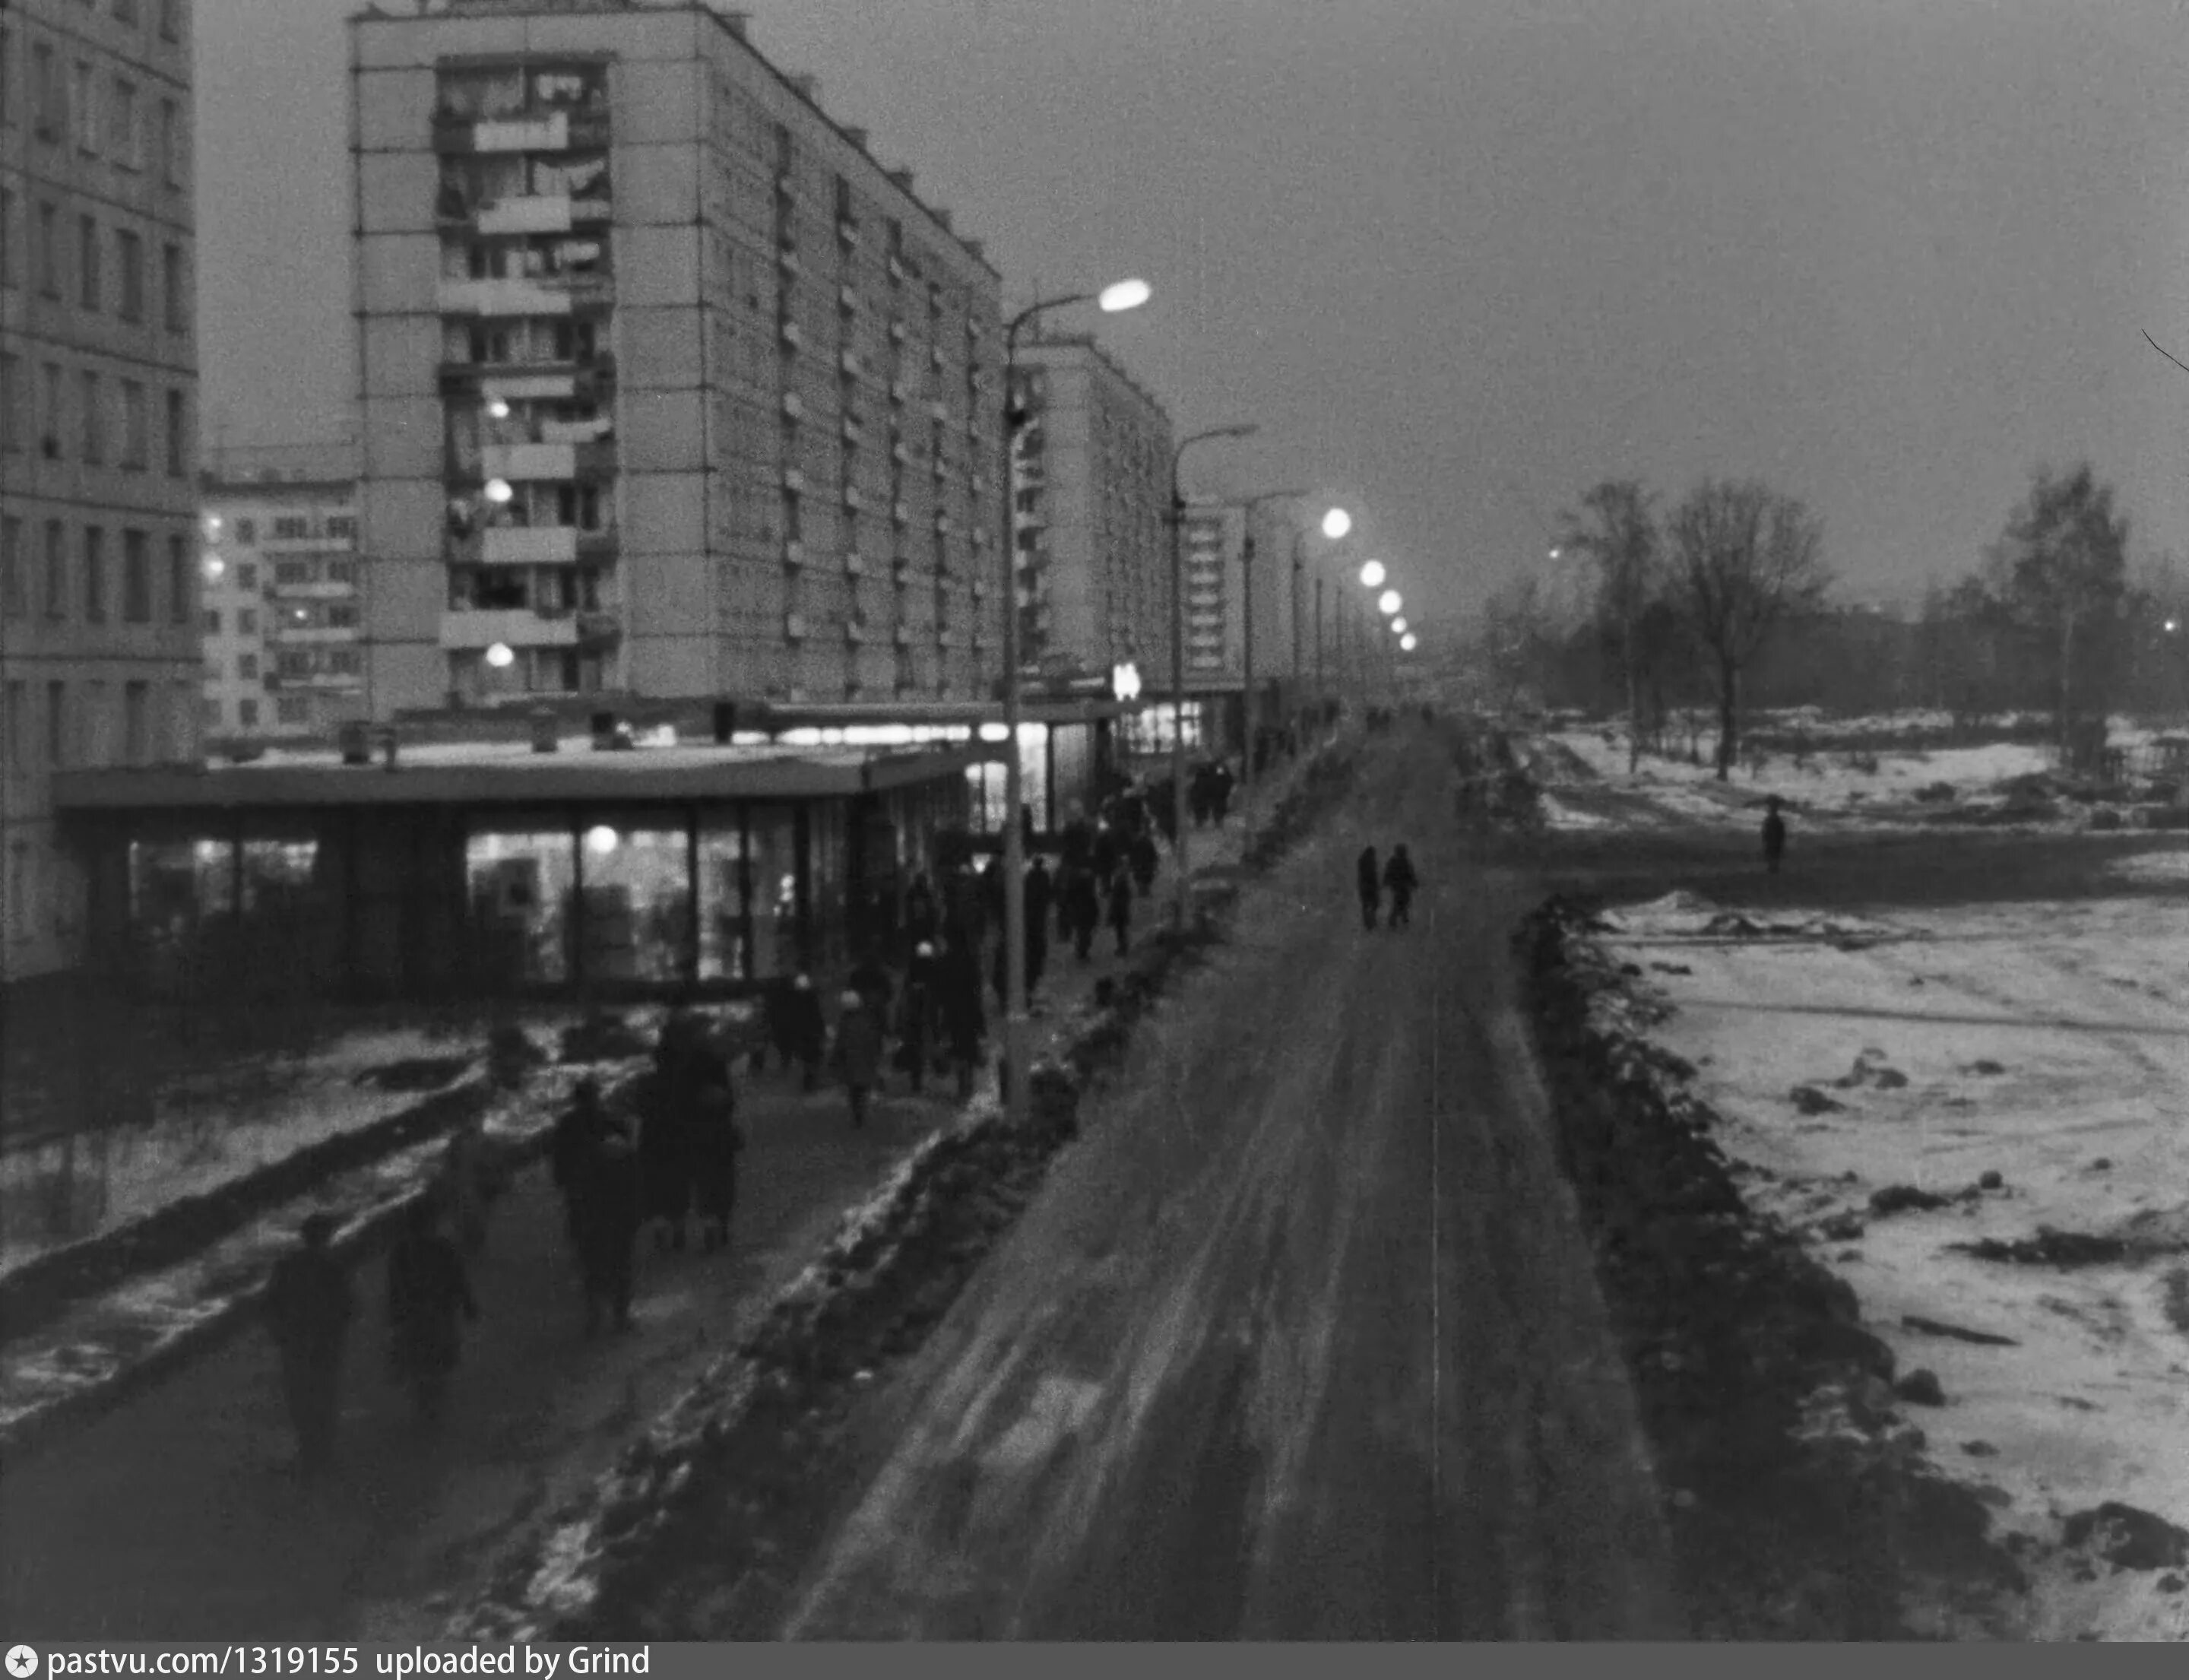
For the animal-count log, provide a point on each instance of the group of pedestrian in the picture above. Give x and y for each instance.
(1209, 792)
(1396, 877)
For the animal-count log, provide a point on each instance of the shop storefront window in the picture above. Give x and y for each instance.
(774, 890)
(285, 931)
(984, 784)
(1071, 751)
(828, 832)
(722, 952)
(521, 881)
(180, 892)
(638, 900)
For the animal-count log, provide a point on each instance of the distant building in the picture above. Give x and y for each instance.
(98, 596)
(281, 593)
(670, 388)
(1090, 484)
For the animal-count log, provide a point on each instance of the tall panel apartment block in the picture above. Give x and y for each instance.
(99, 581)
(669, 388)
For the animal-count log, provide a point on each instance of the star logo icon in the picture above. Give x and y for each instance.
(22, 1662)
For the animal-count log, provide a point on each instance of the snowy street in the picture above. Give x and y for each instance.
(1302, 1340)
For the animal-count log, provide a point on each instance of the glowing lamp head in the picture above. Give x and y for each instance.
(1337, 522)
(1372, 574)
(1408, 643)
(2172, 624)
(501, 656)
(498, 408)
(1398, 626)
(498, 491)
(1390, 602)
(1123, 295)
(214, 566)
(600, 839)
(212, 525)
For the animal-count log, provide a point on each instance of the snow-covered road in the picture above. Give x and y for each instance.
(1301, 1341)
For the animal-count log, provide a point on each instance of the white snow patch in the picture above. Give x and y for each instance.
(2152, 866)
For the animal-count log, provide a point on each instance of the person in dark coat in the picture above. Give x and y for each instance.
(1399, 877)
(308, 1309)
(664, 1144)
(803, 1034)
(428, 1295)
(1076, 843)
(1108, 851)
(712, 1140)
(1040, 892)
(923, 912)
(1370, 884)
(958, 1000)
(606, 1209)
(1083, 909)
(1199, 795)
(1145, 858)
(916, 1016)
(1774, 834)
(1219, 792)
(991, 892)
(870, 978)
(1121, 909)
(570, 1147)
(858, 1052)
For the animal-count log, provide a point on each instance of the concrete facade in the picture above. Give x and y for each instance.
(98, 587)
(668, 388)
(1090, 482)
(282, 660)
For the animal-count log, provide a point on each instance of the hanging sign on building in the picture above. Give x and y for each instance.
(1125, 682)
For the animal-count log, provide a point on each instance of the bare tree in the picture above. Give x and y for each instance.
(1744, 557)
(1617, 530)
(2063, 565)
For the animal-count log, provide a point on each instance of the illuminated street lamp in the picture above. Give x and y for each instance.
(498, 491)
(501, 656)
(1372, 574)
(1116, 297)
(1336, 523)
(1408, 643)
(1389, 600)
(1398, 626)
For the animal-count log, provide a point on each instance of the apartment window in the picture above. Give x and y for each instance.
(7, 79)
(14, 600)
(15, 703)
(175, 287)
(125, 10)
(83, 109)
(290, 529)
(292, 708)
(57, 724)
(247, 714)
(170, 142)
(49, 102)
(136, 722)
(246, 533)
(292, 571)
(171, 19)
(122, 123)
(129, 256)
(212, 621)
(136, 578)
(49, 251)
(178, 436)
(7, 231)
(246, 621)
(136, 427)
(56, 569)
(94, 401)
(50, 421)
(247, 667)
(179, 581)
(87, 262)
(95, 575)
(246, 577)
(341, 571)
(12, 426)
(341, 525)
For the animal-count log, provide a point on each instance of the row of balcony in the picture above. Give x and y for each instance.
(475, 629)
(902, 567)
(523, 212)
(547, 132)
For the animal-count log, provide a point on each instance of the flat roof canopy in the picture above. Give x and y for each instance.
(506, 773)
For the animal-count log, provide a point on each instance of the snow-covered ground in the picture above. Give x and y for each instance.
(2047, 1043)
(210, 1130)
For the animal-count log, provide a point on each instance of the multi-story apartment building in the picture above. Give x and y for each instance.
(282, 660)
(1215, 631)
(668, 387)
(98, 592)
(1090, 481)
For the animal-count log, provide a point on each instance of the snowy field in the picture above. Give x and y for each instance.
(2045, 1043)
(209, 1130)
(1848, 789)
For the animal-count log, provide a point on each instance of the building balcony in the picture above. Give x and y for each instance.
(854, 631)
(538, 133)
(855, 429)
(311, 635)
(598, 630)
(897, 391)
(528, 213)
(899, 513)
(323, 682)
(902, 635)
(501, 297)
(793, 405)
(786, 258)
(847, 230)
(519, 627)
(901, 566)
(794, 552)
(897, 332)
(560, 463)
(794, 480)
(848, 362)
(896, 268)
(527, 545)
(900, 454)
(592, 378)
(793, 627)
(855, 565)
(938, 411)
(852, 498)
(790, 333)
(311, 591)
(847, 299)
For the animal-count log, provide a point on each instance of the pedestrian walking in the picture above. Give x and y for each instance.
(1369, 882)
(713, 1139)
(871, 979)
(963, 1023)
(664, 1140)
(607, 1205)
(1774, 834)
(466, 1184)
(1083, 909)
(1121, 909)
(1220, 783)
(308, 1308)
(916, 1016)
(1039, 895)
(858, 1052)
(923, 912)
(1144, 858)
(1399, 877)
(428, 1296)
(570, 1147)
(1108, 851)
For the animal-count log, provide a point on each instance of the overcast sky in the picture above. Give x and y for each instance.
(1462, 258)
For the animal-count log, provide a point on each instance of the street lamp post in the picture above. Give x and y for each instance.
(1246, 616)
(1179, 826)
(1128, 294)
